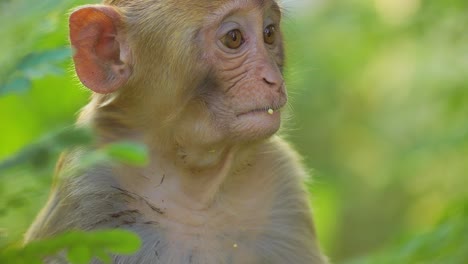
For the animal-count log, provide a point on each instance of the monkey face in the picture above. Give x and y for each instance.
(244, 47)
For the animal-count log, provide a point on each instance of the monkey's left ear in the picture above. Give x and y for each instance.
(102, 58)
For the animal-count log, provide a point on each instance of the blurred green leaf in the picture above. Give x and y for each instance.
(79, 255)
(80, 246)
(446, 243)
(35, 65)
(119, 241)
(36, 60)
(131, 153)
(19, 84)
(44, 150)
(103, 256)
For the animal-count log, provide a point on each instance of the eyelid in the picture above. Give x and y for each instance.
(271, 22)
(226, 27)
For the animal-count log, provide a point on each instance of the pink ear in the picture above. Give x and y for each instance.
(99, 54)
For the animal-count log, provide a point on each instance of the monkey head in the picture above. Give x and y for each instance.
(202, 71)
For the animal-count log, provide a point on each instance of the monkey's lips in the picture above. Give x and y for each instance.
(258, 123)
(261, 110)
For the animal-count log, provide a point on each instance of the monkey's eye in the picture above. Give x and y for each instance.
(233, 39)
(269, 34)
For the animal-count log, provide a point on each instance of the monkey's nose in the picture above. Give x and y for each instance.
(272, 77)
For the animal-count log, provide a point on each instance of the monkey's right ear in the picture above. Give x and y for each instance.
(102, 56)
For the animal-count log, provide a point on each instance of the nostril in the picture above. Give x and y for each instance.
(268, 82)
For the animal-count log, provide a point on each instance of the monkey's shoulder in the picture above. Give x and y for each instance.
(280, 157)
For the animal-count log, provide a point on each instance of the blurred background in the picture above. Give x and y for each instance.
(379, 98)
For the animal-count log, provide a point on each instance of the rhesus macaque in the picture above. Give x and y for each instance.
(200, 83)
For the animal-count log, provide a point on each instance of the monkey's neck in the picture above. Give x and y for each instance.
(182, 185)
(203, 171)
(202, 185)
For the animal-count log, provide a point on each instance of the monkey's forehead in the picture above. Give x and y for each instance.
(197, 7)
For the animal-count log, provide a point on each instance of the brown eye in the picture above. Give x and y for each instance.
(233, 39)
(269, 34)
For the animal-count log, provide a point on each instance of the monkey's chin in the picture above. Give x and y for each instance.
(257, 125)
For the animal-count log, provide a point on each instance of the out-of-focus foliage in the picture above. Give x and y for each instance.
(34, 45)
(24, 27)
(80, 247)
(46, 149)
(38, 95)
(379, 96)
(39, 154)
(445, 244)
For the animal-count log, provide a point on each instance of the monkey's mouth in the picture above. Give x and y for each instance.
(267, 109)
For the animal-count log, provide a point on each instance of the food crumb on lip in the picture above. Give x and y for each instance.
(270, 110)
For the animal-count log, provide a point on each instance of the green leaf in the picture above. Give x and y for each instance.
(71, 136)
(131, 153)
(79, 255)
(42, 71)
(93, 158)
(33, 66)
(80, 246)
(38, 59)
(42, 152)
(17, 85)
(120, 241)
(102, 255)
